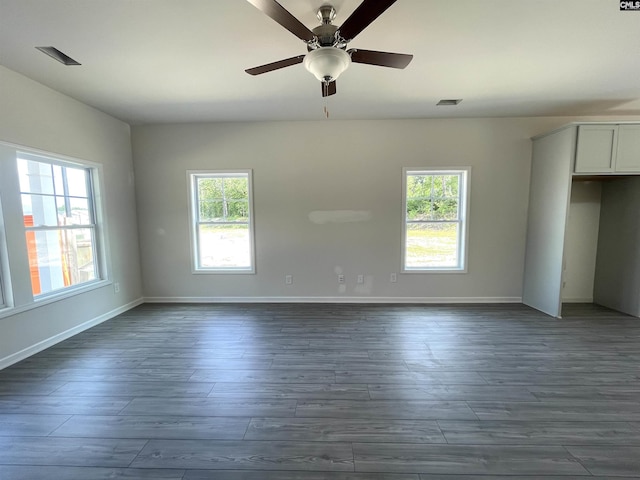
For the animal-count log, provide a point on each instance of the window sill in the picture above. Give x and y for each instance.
(53, 297)
(223, 272)
(439, 271)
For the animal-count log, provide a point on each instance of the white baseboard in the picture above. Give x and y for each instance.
(38, 347)
(425, 300)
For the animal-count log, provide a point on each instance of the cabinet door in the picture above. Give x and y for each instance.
(628, 157)
(596, 148)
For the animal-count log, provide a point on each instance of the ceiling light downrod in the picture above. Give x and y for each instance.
(326, 14)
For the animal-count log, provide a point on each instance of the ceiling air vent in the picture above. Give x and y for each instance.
(453, 102)
(56, 54)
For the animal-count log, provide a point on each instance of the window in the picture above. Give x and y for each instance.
(435, 219)
(59, 219)
(222, 223)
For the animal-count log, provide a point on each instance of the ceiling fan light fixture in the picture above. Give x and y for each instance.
(327, 63)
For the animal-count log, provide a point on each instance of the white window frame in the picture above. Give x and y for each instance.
(194, 221)
(2, 302)
(464, 191)
(5, 286)
(96, 227)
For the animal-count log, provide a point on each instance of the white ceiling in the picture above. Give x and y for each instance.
(158, 61)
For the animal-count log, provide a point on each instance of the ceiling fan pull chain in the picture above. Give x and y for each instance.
(325, 96)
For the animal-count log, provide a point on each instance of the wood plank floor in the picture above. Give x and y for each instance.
(330, 392)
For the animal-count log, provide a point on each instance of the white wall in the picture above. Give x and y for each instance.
(35, 116)
(302, 167)
(581, 241)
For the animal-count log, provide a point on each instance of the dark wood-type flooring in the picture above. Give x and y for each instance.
(330, 392)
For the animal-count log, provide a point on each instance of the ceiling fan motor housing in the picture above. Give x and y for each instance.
(326, 36)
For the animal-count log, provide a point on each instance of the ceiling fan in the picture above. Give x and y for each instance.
(327, 55)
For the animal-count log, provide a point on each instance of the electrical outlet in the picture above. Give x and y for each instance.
(393, 278)
(341, 278)
(116, 287)
(360, 278)
(288, 279)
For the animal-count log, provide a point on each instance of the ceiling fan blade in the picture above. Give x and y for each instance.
(278, 13)
(382, 59)
(329, 89)
(363, 16)
(269, 67)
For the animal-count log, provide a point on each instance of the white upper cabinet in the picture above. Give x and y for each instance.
(607, 148)
(628, 158)
(596, 150)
